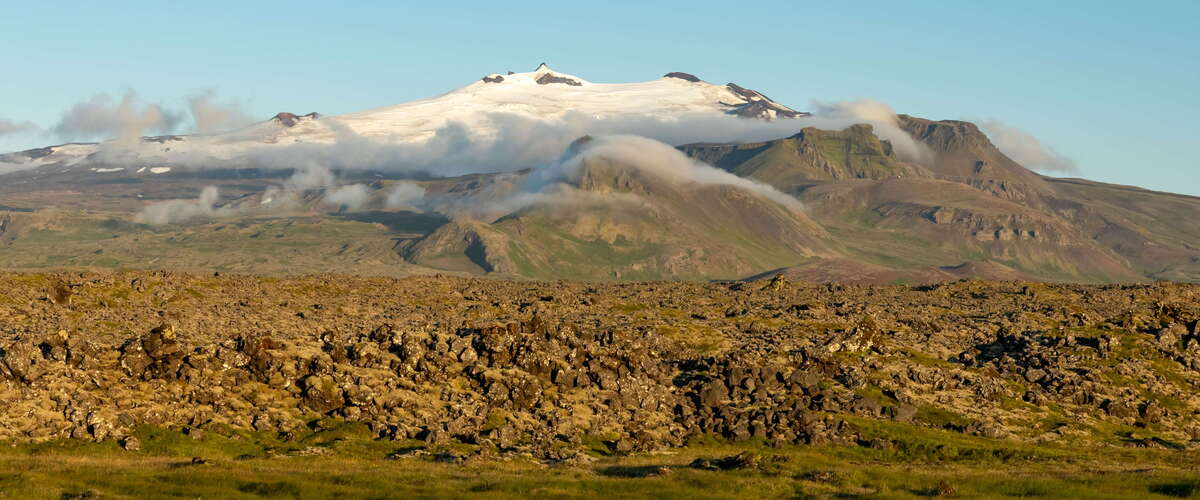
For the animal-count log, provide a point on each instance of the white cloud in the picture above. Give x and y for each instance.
(210, 116)
(176, 211)
(100, 117)
(10, 127)
(1026, 149)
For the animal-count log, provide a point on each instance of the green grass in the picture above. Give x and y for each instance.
(919, 463)
(259, 245)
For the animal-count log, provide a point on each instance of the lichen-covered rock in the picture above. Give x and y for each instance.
(321, 393)
(22, 361)
(553, 368)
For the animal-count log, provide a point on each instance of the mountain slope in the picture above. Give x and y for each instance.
(613, 218)
(966, 202)
(810, 155)
(963, 153)
(1156, 232)
(817, 204)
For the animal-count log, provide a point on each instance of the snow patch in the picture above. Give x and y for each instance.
(478, 112)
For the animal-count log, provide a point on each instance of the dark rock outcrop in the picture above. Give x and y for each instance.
(551, 78)
(290, 120)
(682, 76)
(757, 105)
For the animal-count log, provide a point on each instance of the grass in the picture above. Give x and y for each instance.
(261, 245)
(701, 339)
(921, 463)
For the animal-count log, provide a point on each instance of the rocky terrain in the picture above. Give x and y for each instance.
(562, 370)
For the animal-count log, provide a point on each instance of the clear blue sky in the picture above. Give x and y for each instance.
(1113, 85)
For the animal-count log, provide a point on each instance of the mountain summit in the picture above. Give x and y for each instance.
(476, 180)
(479, 110)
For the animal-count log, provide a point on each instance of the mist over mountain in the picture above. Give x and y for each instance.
(545, 174)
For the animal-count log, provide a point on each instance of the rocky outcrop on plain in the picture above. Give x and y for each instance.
(557, 368)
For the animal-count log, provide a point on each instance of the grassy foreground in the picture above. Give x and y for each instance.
(341, 463)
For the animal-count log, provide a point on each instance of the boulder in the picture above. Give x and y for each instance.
(321, 393)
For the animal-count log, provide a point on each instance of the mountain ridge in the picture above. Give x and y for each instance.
(543, 95)
(841, 202)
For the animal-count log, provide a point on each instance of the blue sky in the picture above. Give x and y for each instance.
(1112, 85)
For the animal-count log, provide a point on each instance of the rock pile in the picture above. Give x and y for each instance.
(614, 368)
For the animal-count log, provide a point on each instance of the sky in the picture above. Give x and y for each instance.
(1112, 86)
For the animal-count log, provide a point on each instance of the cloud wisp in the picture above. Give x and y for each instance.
(1026, 149)
(656, 158)
(553, 183)
(882, 118)
(176, 211)
(210, 116)
(317, 184)
(10, 127)
(124, 119)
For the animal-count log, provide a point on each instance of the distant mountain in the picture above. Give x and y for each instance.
(820, 205)
(540, 96)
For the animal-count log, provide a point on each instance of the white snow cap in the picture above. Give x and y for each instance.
(481, 111)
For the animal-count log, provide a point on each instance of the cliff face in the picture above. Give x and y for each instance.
(809, 156)
(963, 153)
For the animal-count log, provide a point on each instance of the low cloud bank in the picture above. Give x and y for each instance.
(555, 183)
(323, 186)
(504, 142)
(508, 141)
(496, 141)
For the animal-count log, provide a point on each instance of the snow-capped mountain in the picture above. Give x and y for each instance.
(542, 95)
